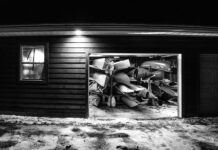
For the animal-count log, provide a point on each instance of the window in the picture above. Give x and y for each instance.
(32, 63)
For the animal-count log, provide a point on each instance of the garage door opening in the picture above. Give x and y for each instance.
(134, 86)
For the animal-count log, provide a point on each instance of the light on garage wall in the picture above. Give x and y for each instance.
(78, 32)
(79, 38)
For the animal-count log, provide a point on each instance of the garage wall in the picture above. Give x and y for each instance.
(66, 92)
(209, 84)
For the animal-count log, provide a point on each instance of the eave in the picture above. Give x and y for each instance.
(108, 30)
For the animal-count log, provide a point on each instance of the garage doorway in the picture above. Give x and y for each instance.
(135, 85)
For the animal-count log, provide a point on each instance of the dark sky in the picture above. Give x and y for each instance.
(57, 12)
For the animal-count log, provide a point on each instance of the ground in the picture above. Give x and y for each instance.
(27, 133)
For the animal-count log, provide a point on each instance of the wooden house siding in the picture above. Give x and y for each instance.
(65, 93)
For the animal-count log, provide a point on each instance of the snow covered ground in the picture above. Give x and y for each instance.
(27, 133)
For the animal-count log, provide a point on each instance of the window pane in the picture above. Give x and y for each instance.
(33, 54)
(32, 71)
(39, 55)
(27, 54)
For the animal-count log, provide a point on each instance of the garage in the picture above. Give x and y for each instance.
(136, 71)
(134, 85)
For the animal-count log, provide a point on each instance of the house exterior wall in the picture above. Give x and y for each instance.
(66, 92)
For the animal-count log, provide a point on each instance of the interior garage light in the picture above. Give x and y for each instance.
(78, 32)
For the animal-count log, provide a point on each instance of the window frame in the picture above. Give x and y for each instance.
(46, 48)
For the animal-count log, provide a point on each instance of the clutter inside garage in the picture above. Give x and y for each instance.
(133, 86)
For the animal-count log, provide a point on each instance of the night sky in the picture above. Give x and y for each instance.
(57, 12)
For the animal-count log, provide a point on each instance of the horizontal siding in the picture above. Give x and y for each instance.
(49, 86)
(51, 96)
(69, 60)
(44, 101)
(51, 70)
(67, 76)
(42, 91)
(67, 81)
(68, 50)
(43, 106)
(43, 112)
(66, 55)
(65, 91)
(77, 45)
(66, 66)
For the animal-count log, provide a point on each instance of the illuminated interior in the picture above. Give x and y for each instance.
(128, 85)
(32, 63)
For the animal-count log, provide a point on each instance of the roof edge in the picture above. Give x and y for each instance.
(108, 29)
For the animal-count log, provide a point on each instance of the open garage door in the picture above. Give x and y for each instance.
(134, 86)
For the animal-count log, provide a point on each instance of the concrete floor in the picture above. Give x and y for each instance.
(141, 112)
